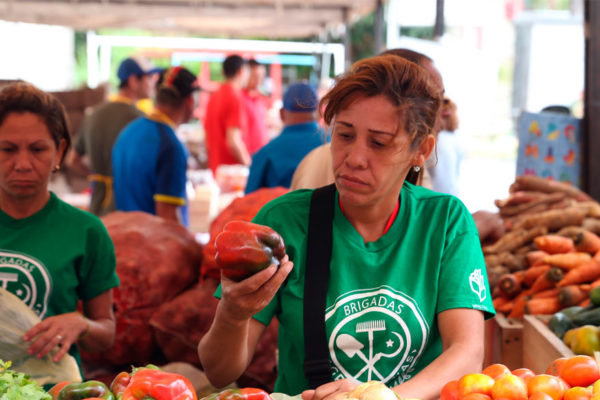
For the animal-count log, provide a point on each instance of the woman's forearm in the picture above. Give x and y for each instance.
(227, 348)
(98, 335)
(458, 360)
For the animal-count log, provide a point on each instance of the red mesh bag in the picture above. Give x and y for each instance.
(179, 324)
(242, 208)
(156, 260)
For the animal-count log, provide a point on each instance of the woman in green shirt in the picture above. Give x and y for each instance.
(51, 254)
(407, 292)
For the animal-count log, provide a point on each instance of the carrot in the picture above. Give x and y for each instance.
(510, 285)
(531, 274)
(586, 272)
(586, 241)
(597, 256)
(554, 244)
(595, 283)
(567, 261)
(585, 302)
(505, 308)
(534, 256)
(573, 294)
(592, 225)
(546, 293)
(548, 305)
(519, 307)
(547, 280)
(499, 302)
(519, 198)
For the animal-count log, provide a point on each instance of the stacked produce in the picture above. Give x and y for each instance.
(578, 326)
(572, 378)
(141, 383)
(549, 257)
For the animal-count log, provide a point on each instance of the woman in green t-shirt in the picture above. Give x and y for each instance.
(407, 291)
(51, 254)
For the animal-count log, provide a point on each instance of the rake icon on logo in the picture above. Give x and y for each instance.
(352, 347)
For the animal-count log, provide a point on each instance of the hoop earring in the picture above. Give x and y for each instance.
(417, 168)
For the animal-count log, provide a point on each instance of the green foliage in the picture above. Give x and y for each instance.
(18, 386)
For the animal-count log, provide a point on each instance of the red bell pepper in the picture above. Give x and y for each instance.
(152, 384)
(120, 383)
(239, 394)
(244, 248)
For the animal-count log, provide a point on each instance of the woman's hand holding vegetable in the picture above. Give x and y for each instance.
(60, 330)
(95, 331)
(227, 348)
(241, 300)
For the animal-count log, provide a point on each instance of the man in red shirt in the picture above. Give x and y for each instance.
(226, 121)
(255, 103)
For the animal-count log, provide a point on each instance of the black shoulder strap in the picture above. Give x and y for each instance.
(318, 257)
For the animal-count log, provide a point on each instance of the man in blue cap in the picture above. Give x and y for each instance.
(101, 126)
(275, 163)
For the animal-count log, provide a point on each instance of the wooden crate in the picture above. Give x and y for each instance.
(503, 342)
(540, 345)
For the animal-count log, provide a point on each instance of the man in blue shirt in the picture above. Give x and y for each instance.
(149, 161)
(275, 163)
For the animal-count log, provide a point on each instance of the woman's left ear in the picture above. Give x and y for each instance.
(425, 149)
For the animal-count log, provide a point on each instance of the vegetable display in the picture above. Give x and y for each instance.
(145, 383)
(244, 248)
(549, 258)
(239, 394)
(572, 378)
(17, 385)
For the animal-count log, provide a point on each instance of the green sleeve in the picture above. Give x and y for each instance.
(98, 267)
(463, 276)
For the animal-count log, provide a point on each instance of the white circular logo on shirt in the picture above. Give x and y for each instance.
(379, 334)
(27, 279)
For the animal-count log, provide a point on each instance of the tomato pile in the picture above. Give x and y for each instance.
(567, 378)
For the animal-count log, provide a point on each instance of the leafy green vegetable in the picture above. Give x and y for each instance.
(17, 386)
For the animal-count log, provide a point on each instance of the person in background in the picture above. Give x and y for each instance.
(276, 162)
(315, 170)
(226, 121)
(444, 166)
(101, 126)
(255, 104)
(407, 292)
(54, 255)
(149, 161)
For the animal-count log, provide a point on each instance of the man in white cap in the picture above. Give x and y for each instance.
(101, 126)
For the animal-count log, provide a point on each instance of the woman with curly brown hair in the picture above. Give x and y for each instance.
(400, 268)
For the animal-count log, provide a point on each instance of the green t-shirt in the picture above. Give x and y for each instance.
(55, 257)
(383, 296)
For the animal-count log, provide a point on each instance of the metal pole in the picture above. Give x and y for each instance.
(379, 27)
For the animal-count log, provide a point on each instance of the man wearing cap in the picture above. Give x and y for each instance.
(149, 161)
(275, 163)
(101, 126)
(226, 119)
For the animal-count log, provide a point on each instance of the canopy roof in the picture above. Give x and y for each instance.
(229, 18)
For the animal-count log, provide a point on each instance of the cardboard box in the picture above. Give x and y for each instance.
(503, 342)
(540, 345)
